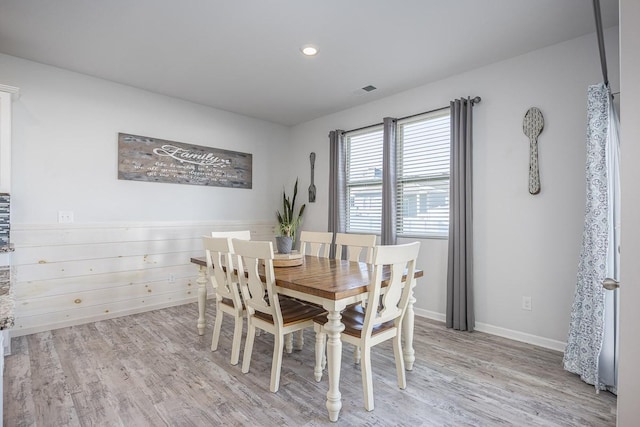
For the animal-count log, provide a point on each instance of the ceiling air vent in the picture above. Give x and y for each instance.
(369, 88)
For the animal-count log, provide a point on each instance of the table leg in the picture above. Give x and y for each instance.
(299, 340)
(407, 334)
(333, 328)
(202, 298)
(288, 343)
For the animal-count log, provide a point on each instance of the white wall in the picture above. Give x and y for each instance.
(130, 245)
(65, 128)
(629, 374)
(524, 245)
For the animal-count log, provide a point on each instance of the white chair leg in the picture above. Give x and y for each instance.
(248, 347)
(317, 370)
(237, 337)
(356, 349)
(276, 364)
(299, 340)
(397, 353)
(288, 343)
(324, 350)
(367, 381)
(356, 354)
(216, 329)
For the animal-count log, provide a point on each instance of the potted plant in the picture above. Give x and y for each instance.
(288, 221)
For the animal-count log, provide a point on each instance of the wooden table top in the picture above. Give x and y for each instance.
(326, 278)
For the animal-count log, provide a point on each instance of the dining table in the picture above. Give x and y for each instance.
(333, 284)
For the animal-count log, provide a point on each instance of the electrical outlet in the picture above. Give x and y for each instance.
(526, 303)
(171, 278)
(65, 217)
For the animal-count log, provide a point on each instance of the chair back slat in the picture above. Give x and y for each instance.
(315, 243)
(259, 295)
(235, 234)
(359, 247)
(391, 305)
(220, 269)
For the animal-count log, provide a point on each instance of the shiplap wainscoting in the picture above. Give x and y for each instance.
(70, 274)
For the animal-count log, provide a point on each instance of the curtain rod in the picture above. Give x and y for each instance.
(603, 55)
(474, 100)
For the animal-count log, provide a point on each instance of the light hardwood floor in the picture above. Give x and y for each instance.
(152, 369)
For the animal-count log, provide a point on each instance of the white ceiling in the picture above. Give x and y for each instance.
(243, 56)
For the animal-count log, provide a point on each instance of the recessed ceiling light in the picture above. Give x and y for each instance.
(309, 50)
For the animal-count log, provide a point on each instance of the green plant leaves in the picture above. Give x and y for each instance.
(287, 220)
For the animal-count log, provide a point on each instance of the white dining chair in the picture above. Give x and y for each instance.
(359, 247)
(265, 309)
(315, 243)
(232, 234)
(224, 281)
(381, 320)
(318, 244)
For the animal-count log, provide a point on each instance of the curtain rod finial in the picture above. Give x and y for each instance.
(476, 100)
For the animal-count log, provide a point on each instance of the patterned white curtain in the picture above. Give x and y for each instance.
(598, 257)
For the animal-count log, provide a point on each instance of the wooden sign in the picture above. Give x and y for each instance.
(141, 158)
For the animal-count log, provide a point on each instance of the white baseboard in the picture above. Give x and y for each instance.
(433, 315)
(501, 332)
(522, 337)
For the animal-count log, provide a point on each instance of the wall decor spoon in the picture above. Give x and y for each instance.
(532, 126)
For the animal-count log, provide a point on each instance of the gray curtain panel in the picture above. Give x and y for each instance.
(337, 184)
(460, 314)
(389, 180)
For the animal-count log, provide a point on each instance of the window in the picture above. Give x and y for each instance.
(422, 176)
(423, 145)
(364, 180)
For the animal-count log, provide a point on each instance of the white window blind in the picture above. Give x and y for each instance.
(364, 180)
(423, 175)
